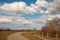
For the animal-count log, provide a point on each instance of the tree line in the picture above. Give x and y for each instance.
(52, 28)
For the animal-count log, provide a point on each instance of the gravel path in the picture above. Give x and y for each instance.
(16, 36)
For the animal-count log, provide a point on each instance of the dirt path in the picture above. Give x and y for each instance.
(16, 36)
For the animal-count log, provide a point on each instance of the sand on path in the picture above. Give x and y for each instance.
(16, 36)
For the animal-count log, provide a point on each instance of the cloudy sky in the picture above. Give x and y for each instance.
(27, 14)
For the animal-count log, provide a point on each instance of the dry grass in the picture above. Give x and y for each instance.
(28, 34)
(53, 38)
(5, 34)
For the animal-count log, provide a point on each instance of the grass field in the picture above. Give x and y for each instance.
(5, 34)
(31, 35)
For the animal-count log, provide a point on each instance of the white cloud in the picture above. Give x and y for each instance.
(24, 21)
(5, 20)
(42, 3)
(57, 1)
(14, 19)
(15, 23)
(20, 23)
(56, 16)
(21, 7)
(13, 7)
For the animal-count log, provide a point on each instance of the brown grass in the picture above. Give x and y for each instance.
(5, 34)
(28, 34)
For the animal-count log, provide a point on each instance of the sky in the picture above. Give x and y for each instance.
(28, 2)
(27, 14)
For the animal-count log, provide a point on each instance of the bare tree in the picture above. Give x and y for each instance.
(52, 27)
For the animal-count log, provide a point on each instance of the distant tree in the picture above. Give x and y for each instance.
(8, 29)
(52, 27)
(0, 29)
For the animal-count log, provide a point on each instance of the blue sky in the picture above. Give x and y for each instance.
(34, 16)
(28, 2)
(49, 0)
(28, 13)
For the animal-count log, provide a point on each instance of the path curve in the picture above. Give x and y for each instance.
(16, 36)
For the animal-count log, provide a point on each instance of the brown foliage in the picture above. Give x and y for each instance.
(52, 27)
